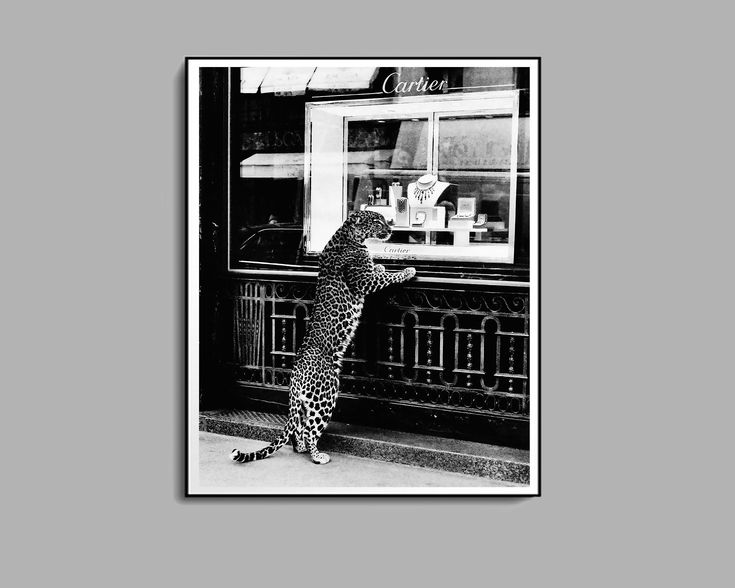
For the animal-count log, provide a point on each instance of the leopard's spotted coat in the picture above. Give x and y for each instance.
(346, 275)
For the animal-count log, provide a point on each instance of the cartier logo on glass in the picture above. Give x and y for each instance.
(393, 84)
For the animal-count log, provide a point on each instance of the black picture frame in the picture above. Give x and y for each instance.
(195, 320)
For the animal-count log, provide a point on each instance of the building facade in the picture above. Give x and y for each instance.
(448, 155)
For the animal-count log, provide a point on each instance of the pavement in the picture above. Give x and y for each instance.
(405, 448)
(288, 470)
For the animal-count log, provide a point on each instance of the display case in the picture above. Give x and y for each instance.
(441, 169)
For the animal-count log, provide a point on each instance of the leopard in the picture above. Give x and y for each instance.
(347, 274)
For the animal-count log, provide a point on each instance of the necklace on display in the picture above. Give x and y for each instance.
(424, 188)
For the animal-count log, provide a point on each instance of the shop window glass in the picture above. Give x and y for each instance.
(441, 171)
(267, 180)
(474, 154)
(475, 143)
(382, 152)
(301, 166)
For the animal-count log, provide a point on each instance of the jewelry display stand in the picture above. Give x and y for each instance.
(425, 191)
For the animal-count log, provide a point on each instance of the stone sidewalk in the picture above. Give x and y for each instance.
(287, 469)
(437, 453)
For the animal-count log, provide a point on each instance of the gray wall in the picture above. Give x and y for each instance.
(634, 115)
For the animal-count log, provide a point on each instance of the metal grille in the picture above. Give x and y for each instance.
(424, 346)
(248, 323)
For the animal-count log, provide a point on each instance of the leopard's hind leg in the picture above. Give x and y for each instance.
(299, 445)
(319, 411)
(316, 387)
(299, 384)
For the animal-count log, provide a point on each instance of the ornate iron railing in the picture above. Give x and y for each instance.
(415, 345)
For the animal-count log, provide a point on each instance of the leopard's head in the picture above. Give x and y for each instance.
(366, 224)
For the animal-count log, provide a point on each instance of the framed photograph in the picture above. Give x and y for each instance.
(336, 350)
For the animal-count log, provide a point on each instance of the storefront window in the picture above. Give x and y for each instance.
(445, 164)
(441, 170)
(267, 181)
(475, 156)
(380, 153)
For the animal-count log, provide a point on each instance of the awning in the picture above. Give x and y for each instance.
(251, 78)
(343, 78)
(295, 80)
(287, 80)
(273, 165)
(291, 165)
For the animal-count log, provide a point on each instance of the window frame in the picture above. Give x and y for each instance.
(433, 107)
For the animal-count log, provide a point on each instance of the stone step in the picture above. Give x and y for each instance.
(450, 455)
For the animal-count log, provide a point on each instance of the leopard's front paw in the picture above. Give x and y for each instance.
(410, 272)
(379, 269)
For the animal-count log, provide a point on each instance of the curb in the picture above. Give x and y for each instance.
(449, 455)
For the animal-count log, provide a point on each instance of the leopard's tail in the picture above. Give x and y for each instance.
(240, 457)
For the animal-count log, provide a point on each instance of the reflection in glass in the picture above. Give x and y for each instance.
(492, 204)
(266, 217)
(474, 154)
(381, 153)
(479, 143)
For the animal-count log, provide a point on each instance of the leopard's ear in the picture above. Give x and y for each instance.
(356, 218)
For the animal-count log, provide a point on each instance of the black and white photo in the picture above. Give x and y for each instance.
(363, 276)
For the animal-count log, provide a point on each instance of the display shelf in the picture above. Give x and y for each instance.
(461, 236)
(436, 230)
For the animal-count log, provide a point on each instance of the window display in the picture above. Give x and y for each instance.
(306, 159)
(441, 169)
